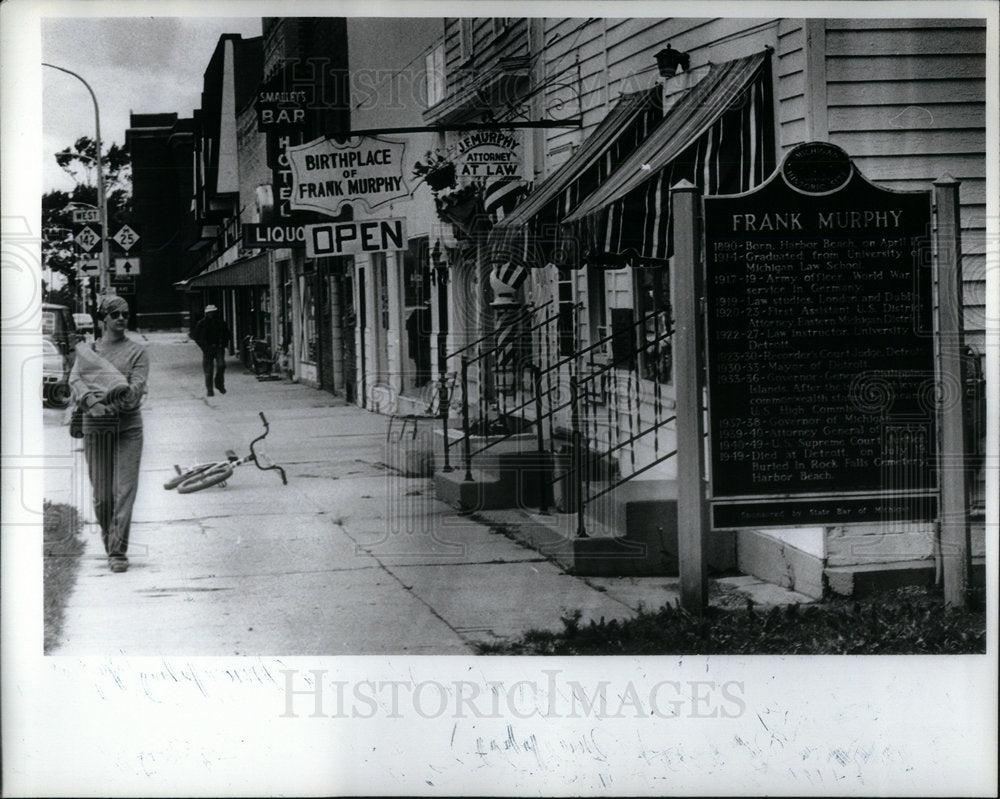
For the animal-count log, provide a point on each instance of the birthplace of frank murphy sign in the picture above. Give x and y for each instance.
(327, 175)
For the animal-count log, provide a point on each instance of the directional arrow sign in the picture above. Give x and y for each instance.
(87, 238)
(125, 267)
(126, 238)
(90, 266)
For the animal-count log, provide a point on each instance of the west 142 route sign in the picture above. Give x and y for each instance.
(820, 349)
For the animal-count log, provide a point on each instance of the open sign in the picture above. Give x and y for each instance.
(352, 238)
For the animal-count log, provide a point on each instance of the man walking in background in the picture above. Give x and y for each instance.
(211, 333)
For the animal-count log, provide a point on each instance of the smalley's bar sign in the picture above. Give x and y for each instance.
(820, 355)
(327, 175)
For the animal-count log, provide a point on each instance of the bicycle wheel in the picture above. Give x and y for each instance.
(210, 477)
(173, 482)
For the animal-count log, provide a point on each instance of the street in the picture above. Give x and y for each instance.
(348, 558)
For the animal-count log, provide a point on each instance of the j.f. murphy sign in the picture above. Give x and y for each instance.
(819, 345)
(327, 175)
(488, 154)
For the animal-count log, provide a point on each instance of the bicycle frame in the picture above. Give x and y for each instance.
(231, 461)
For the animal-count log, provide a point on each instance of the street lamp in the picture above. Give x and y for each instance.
(102, 199)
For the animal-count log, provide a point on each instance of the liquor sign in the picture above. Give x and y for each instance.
(354, 238)
(487, 154)
(327, 175)
(274, 236)
(820, 354)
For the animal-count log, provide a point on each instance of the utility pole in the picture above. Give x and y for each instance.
(102, 200)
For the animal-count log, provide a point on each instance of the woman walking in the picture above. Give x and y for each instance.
(109, 381)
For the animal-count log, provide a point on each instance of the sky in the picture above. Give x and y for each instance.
(142, 65)
(156, 65)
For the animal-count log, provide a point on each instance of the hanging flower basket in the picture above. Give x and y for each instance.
(437, 171)
(442, 178)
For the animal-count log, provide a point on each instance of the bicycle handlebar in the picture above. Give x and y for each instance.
(253, 452)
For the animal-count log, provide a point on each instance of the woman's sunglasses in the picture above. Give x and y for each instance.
(117, 314)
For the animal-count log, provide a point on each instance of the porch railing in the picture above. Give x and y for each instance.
(540, 398)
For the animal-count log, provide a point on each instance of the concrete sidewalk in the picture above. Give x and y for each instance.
(349, 558)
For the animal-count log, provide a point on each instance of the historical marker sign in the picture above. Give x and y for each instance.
(326, 175)
(819, 346)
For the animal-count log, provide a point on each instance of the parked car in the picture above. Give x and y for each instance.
(84, 323)
(59, 328)
(55, 376)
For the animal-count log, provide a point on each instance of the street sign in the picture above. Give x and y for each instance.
(126, 238)
(126, 267)
(87, 238)
(83, 216)
(90, 266)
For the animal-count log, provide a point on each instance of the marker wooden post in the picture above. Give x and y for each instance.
(953, 509)
(686, 294)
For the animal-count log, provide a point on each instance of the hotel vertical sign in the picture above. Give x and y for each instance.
(819, 348)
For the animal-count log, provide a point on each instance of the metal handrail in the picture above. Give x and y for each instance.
(600, 342)
(596, 373)
(524, 312)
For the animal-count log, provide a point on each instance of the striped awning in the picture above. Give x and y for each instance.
(529, 232)
(251, 271)
(719, 136)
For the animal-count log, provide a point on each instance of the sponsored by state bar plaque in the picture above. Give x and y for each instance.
(820, 350)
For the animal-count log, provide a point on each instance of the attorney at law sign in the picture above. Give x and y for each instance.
(327, 175)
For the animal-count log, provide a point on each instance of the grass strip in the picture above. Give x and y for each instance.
(62, 547)
(903, 621)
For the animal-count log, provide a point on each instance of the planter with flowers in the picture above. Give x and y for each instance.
(437, 171)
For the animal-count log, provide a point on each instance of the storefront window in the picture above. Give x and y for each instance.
(652, 291)
(310, 338)
(417, 313)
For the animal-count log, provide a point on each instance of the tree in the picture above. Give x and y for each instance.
(58, 248)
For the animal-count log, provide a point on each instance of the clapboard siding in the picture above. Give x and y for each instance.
(906, 98)
(919, 166)
(926, 116)
(868, 42)
(971, 192)
(881, 91)
(862, 69)
(877, 142)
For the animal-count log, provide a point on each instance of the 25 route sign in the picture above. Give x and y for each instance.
(87, 239)
(126, 238)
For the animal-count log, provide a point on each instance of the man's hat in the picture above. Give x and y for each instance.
(209, 308)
